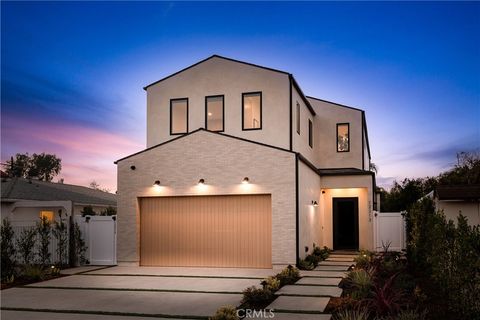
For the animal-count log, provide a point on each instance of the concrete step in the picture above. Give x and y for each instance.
(335, 263)
(309, 304)
(347, 259)
(299, 316)
(309, 291)
(331, 268)
(319, 281)
(323, 274)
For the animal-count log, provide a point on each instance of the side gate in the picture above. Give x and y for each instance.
(100, 235)
(389, 230)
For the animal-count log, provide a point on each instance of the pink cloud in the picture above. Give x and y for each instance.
(87, 153)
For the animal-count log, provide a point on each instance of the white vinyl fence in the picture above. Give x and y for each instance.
(100, 235)
(389, 230)
(54, 258)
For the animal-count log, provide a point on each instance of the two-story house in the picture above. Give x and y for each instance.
(242, 169)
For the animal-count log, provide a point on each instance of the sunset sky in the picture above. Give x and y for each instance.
(72, 73)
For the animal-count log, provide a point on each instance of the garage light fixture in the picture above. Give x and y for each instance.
(201, 181)
(314, 203)
(156, 183)
(246, 180)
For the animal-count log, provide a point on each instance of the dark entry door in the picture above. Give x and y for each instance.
(345, 223)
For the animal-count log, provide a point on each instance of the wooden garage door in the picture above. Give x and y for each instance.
(207, 231)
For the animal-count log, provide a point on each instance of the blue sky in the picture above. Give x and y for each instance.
(72, 73)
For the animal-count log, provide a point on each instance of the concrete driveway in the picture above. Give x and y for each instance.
(129, 293)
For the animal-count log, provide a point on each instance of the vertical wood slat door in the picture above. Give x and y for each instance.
(206, 231)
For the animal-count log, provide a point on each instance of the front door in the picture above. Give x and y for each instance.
(345, 223)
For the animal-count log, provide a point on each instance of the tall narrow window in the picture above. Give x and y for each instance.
(214, 113)
(310, 133)
(298, 117)
(343, 137)
(252, 111)
(179, 116)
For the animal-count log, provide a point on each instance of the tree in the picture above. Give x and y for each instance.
(88, 211)
(466, 171)
(18, 166)
(43, 166)
(96, 186)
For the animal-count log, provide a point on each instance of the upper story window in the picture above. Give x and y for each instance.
(179, 116)
(298, 117)
(343, 137)
(310, 133)
(251, 111)
(214, 113)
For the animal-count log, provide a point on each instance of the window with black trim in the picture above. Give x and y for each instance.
(251, 111)
(214, 113)
(298, 117)
(310, 133)
(179, 116)
(343, 137)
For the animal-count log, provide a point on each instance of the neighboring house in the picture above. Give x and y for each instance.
(242, 169)
(459, 199)
(24, 201)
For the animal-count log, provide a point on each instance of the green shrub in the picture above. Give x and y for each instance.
(314, 259)
(305, 265)
(79, 244)
(33, 272)
(360, 284)
(447, 257)
(26, 245)
(287, 276)
(88, 211)
(363, 259)
(256, 298)
(323, 253)
(60, 233)
(44, 230)
(109, 211)
(271, 283)
(352, 314)
(225, 313)
(410, 315)
(8, 251)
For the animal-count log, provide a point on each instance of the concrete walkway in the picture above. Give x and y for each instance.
(311, 294)
(131, 293)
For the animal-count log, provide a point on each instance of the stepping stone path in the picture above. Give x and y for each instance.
(309, 296)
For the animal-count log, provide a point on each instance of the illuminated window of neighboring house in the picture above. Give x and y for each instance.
(310, 133)
(47, 214)
(298, 117)
(343, 137)
(214, 112)
(252, 111)
(179, 116)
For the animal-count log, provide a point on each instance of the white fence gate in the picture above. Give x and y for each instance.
(100, 235)
(389, 230)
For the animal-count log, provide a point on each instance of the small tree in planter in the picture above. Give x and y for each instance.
(109, 211)
(80, 246)
(26, 245)
(8, 251)
(44, 233)
(60, 232)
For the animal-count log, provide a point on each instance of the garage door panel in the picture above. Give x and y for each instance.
(210, 231)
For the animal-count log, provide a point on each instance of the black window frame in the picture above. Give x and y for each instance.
(243, 110)
(349, 137)
(171, 114)
(310, 133)
(223, 112)
(298, 118)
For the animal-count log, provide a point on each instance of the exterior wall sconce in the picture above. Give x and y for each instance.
(314, 203)
(245, 180)
(132, 167)
(323, 191)
(156, 183)
(201, 181)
